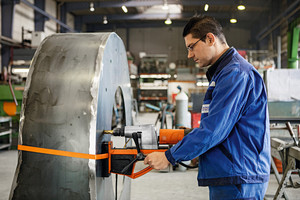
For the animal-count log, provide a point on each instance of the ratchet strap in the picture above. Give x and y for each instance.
(62, 153)
(94, 157)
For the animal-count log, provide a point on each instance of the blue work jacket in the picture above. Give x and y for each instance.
(233, 140)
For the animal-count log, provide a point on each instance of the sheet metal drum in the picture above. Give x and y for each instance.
(67, 103)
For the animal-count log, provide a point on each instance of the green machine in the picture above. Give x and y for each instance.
(293, 44)
(8, 108)
(7, 103)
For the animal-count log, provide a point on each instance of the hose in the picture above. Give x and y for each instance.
(188, 166)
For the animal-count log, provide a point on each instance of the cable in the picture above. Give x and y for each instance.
(116, 197)
(188, 166)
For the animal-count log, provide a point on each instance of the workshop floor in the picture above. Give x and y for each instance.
(156, 185)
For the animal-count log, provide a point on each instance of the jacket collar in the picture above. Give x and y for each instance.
(216, 67)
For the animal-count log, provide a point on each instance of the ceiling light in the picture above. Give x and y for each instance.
(233, 20)
(206, 6)
(92, 9)
(158, 9)
(105, 20)
(241, 7)
(168, 21)
(124, 9)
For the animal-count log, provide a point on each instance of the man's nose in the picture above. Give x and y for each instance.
(190, 54)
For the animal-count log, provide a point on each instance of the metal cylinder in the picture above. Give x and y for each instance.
(67, 103)
(181, 113)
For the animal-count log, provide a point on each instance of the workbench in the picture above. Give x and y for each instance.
(289, 157)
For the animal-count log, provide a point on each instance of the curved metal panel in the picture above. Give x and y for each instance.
(68, 101)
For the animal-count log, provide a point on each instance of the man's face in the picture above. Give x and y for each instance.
(201, 52)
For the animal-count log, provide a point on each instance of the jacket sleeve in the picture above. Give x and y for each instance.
(228, 99)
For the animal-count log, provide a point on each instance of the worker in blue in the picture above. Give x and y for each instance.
(233, 140)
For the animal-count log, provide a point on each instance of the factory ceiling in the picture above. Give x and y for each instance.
(92, 15)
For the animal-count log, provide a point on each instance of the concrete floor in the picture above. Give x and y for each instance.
(173, 185)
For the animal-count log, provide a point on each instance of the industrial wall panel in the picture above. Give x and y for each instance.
(70, 20)
(24, 17)
(50, 25)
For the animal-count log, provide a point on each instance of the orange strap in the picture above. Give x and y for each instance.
(62, 153)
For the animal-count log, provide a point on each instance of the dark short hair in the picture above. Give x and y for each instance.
(198, 26)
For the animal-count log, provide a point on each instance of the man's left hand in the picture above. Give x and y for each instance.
(157, 160)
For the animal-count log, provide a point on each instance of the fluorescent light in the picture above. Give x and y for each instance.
(20, 70)
(202, 84)
(124, 9)
(206, 6)
(233, 20)
(92, 9)
(105, 20)
(155, 76)
(168, 21)
(241, 7)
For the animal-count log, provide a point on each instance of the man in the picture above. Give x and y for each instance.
(232, 142)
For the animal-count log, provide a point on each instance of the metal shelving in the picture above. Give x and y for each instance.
(5, 129)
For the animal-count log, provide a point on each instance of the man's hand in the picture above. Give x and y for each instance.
(157, 160)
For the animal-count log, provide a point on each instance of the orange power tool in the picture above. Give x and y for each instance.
(122, 161)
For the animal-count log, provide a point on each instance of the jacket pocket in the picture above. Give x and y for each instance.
(225, 152)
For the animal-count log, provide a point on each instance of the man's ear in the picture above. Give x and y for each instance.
(210, 38)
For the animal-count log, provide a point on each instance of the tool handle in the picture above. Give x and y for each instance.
(140, 173)
(290, 129)
(298, 132)
(129, 165)
(139, 157)
(136, 141)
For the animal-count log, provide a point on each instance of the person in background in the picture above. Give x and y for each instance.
(233, 140)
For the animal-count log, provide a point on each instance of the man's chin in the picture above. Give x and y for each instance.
(204, 67)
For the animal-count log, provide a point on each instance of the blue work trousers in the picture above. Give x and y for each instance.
(249, 191)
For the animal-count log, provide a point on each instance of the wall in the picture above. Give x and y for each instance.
(23, 17)
(70, 20)
(50, 25)
(238, 38)
(169, 41)
(155, 41)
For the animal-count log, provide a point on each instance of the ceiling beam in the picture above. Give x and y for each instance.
(291, 10)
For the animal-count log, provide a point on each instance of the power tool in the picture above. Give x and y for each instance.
(122, 160)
